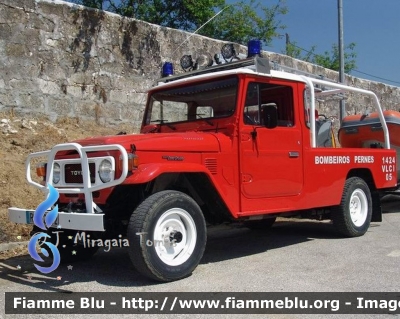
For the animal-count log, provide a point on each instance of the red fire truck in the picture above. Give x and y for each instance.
(230, 140)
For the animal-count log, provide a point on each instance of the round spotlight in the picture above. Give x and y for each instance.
(187, 63)
(203, 60)
(253, 48)
(167, 69)
(217, 58)
(228, 51)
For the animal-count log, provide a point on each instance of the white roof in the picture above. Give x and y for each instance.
(242, 70)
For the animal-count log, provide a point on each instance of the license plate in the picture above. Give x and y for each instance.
(29, 219)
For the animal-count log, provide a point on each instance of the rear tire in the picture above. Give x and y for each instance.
(167, 236)
(353, 216)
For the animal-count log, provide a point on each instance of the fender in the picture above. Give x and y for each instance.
(148, 172)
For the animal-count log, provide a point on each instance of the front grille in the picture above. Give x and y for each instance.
(73, 173)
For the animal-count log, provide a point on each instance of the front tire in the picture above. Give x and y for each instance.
(353, 216)
(167, 236)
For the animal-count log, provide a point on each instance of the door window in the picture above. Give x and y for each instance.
(259, 94)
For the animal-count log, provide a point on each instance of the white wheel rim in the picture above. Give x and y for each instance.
(175, 236)
(358, 207)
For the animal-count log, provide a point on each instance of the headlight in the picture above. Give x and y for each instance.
(56, 173)
(105, 171)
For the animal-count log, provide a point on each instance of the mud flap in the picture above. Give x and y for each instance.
(376, 208)
(376, 214)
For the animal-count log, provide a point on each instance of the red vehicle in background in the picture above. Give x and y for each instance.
(234, 141)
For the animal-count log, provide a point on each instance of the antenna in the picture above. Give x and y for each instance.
(202, 26)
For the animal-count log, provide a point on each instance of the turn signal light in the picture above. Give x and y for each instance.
(133, 162)
(41, 170)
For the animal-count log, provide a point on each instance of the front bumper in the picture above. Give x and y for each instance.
(73, 221)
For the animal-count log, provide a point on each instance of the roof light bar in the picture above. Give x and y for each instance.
(205, 63)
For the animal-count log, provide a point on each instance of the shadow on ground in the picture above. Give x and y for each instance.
(114, 268)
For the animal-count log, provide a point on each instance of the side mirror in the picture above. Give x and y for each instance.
(270, 115)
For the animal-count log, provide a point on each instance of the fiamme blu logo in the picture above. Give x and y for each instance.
(44, 220)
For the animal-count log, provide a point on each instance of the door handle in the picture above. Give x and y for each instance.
(294, 154)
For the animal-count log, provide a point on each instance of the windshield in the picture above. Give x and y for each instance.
(199, 101)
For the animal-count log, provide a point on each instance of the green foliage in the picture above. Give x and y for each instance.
(179, 14)
(97, 4)
(238, 22)
(244, 21)
(294, 51)
(329, 59)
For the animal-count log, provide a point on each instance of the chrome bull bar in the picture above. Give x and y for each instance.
(87, 188)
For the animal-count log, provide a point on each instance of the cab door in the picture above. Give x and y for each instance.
(271, 160)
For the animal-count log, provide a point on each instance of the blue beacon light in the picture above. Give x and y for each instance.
(167, 69)
(253, 48)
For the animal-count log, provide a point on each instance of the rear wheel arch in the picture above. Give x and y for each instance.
(364, 174)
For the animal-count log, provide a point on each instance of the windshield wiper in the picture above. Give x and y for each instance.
(205, 120)
(164, 122)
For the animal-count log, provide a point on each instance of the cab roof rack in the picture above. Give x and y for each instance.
(256, 63)
(259, 64)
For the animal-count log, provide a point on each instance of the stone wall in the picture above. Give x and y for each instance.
(65, 60)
